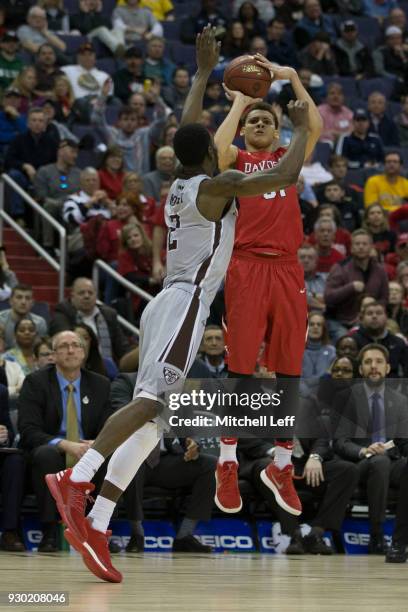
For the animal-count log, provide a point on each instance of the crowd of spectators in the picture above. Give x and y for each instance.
(90, 100)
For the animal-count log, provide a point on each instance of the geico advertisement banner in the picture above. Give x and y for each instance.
(272, 540)
(356, 535)
(226, 535)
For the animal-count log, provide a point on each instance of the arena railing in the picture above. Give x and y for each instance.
(4, 216)
(100, 264)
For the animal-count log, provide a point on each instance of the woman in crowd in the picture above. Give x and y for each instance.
(111, 173)
(248, 15)
(318, 355)
(375, 221)
(93, 360)
(64, 98)
(346, 346)
(11, 373)
(236, 41)
(341, 376)
(402, 278)
(395, 308)
(145, 210)
(43, 352)
(25, 83)
(8, 279)
(23, 352)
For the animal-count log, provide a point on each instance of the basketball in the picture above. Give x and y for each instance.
(245, 75)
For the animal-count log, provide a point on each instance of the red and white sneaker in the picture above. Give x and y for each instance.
(71, 500)
(227, 496)
(95, 553)
(280, 482)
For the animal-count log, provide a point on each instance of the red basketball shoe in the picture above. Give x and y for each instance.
(227, 496)
(280, 482)
(95, 553)
(71, 499)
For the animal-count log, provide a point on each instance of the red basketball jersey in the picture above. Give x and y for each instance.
(270, 222)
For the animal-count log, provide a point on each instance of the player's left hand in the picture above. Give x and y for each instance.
(207, 49)
(278, 73)
(192, 451)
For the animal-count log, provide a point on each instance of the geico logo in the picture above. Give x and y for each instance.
(226, 541)
(34, 536)
(268, 543)
(160, 542)
(360, 539)
(120, 540)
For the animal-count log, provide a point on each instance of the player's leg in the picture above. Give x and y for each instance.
(284, 355)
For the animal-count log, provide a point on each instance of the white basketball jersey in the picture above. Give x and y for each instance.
(198, 250)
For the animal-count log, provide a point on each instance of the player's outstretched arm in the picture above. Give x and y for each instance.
(214, 193)
(207, 52)
(315, 122)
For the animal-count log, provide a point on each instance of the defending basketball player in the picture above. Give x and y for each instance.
(200, 214)
(265, 291)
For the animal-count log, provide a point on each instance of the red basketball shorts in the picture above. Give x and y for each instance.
(265, 302)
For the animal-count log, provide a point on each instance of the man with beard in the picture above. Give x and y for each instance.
(368, 417)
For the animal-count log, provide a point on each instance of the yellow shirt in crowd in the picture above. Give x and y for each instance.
(390, 195)
(159, 8)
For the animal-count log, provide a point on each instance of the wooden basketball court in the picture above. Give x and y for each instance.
(159, 582)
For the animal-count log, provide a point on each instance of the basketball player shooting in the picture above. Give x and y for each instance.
(265, 291)
(200, 213)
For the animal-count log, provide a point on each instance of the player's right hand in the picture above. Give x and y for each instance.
(298, 113)
(245, 100)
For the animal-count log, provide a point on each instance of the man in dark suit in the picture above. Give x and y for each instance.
(172, 464)
(11, 480)
(82, 307)
(372, 415)
(62, 409)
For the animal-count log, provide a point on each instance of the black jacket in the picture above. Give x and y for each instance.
(387, 130)
(65, 317)
(397, 349)
(24, 149)
(353, 429)
(364, 62)
(40, 406)
(5, 414)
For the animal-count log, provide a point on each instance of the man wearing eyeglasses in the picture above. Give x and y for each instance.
(53, 183)
(62, 408)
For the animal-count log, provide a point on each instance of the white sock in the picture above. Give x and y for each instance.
(283, 457)
(87, 466)
(228, 450)
(101, 513)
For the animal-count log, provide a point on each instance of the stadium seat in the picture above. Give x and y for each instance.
(171, 30)
(322, 152)
(385, 85)
(180, 53)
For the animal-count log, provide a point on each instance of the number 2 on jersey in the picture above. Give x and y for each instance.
(272, 194)
(172, 242)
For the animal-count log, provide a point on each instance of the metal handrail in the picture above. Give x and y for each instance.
(59, 267)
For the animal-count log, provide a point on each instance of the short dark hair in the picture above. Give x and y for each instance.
(191, 144)
(39, 343)
(335, 158)
(126, 111)
(260, 106)
(388, 153)
(373, 346)
(21, 287)
(17, 325)
(373, 304)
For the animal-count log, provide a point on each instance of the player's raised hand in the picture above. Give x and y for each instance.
(244, 99)
(298, 113)
(278, 73)
(207, 49)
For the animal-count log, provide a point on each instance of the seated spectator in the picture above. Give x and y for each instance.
(36, 33)
(362, 148)
(281, 49)
(214, 98)
(395, 308)
(369, 416)
(8, 279)
(136, 22)
(165, 166)
(21, 303)
(349, 214)
(129, 79)
(402, 278)
(287, 94)
(397, 17)
(392, 260)
(60, 131)
(134, 141)
(308, 205)
(162, 9)
(337, 118)
(11, 373)
(390, 189)
(53, 183)
(26, 154)
(212, 351)
(26, 84)
(91, 22)
(373, 328)
(81, 307)
(314, 281)
(111, 172)
(23, 350)
(380, 123)
(318, 355)
(173, 464)
(64, 98)
(253, 24)
(324, 234)
(176, 93)
(402, 123)
(236, 40)
(62, 408)
(209, 14)
(346, 346)
(93, 360)
(84, 77)
(313, 22)
(392, 59)
(12, 469)
(376, 223)
(352, 57)
(57, 19)
(317, 56)
(342, 238)
(338, 166)
(363, 301)
(348, 279)
(145, 206)
(380, 10)
(10, 64)
(43, 352)
(46, 70)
